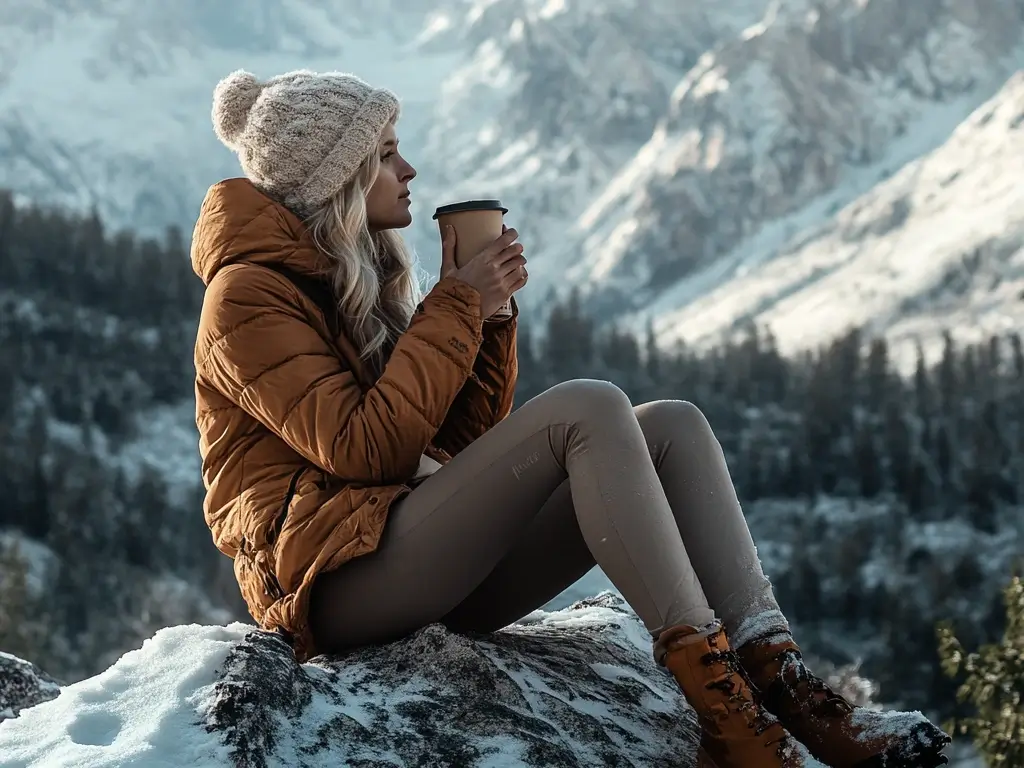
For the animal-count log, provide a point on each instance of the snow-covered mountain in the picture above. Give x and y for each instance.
(107, 104)
(554, 97)
(938, 245)
(776, 131)
(539, 102)
(670, 157)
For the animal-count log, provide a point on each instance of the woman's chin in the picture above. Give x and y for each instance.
(400, 220)
(403, 219)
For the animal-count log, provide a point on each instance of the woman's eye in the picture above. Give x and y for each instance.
(386, 155)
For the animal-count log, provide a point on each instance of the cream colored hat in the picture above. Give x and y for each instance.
(301, 136)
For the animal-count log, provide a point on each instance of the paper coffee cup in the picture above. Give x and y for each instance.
(477, 224)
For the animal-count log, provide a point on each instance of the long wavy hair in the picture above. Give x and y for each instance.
(373, 273)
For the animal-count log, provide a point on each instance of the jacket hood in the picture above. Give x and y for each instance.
(239, 224)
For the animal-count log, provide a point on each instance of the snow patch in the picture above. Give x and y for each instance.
(141, 711)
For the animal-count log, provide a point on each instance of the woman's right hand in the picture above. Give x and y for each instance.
(497, 272)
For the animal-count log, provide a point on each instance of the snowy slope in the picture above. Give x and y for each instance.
(538, 101)
(939, 245)
(649, 151)
(555, 97)
(108, 104)
(803, 106)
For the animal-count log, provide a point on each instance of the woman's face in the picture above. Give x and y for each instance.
(387, 202)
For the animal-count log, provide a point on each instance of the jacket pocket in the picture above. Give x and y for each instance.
(282, 513)
(318, 505)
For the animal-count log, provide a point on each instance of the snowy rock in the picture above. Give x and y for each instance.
(577, 687)
(23, 685)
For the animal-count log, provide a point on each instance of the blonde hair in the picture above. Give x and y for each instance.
(373, 273)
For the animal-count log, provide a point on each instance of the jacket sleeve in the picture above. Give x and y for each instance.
(256, 346)
(486, 397)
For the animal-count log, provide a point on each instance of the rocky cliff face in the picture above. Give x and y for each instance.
(554, 98)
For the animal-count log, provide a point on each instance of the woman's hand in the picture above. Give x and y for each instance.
(497, 272)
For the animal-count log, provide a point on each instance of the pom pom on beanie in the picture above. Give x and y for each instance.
(233, 100)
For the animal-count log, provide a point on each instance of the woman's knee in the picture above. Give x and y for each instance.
(673, 418)
(584, 399)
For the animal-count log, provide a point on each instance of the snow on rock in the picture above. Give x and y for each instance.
(577, 687)
(23, 685)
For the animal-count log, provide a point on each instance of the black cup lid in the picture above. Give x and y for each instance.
(470, 205)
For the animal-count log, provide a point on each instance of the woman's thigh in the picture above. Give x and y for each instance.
(549, 557)
(444, 538)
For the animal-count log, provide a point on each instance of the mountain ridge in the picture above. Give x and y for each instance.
(936, 247)
(650, 152)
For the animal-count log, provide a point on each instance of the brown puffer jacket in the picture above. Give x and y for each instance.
(302, 454)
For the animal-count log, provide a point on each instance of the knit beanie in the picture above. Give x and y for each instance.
(301, 136)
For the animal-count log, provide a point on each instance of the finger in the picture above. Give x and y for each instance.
(521, 280)
(514, 276)
(448, 248)
(504, 229)
(505, 255)
(512, 266)
(507, 238)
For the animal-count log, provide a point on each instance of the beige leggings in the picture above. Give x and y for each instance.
(573, 478)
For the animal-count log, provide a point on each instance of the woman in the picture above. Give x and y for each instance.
(365, 473)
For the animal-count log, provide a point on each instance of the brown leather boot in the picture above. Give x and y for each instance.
(737, 733)
(833, 730)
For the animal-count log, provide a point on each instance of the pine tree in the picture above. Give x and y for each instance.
(993, 685)
(869, 465)
(652, 354)
(23, 618)
(1017, 354)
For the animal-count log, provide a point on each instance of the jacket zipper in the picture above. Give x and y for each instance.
(283, 513)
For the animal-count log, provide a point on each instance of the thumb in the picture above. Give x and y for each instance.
(448, 250)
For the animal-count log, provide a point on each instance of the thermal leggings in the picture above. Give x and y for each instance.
(576, 477)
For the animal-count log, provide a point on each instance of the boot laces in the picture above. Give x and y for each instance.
(822, 698)
(757, 718)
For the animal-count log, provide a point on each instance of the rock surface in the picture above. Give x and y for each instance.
(23, 685)
(577, 687)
